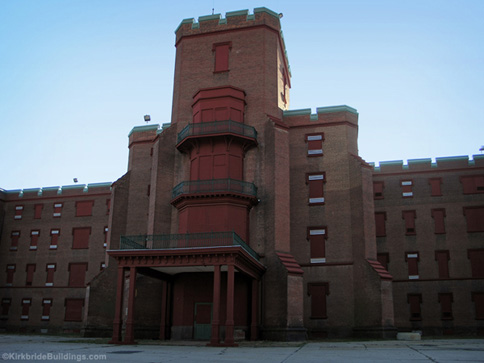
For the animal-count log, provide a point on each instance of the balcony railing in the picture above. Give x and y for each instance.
(215, 186)
(217, 127)
(188, 240)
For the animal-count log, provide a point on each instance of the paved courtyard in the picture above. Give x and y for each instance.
(27, 348)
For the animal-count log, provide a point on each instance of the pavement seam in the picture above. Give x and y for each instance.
(425, 355)
(290, 355)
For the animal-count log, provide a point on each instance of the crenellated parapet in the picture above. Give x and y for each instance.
(426, 164)
(328, 115)
(56, 191)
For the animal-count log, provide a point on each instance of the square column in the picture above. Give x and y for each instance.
(254, 310)
(129, 336)
(215, 339)
(229, 323)
(118, 323)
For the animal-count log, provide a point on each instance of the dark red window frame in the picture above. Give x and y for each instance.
(317, 243)
(435, 187)
(474, 218)
(409, 217)
(442, 258)
(80, 237)
(315, 144)
(315, 182)
(84, 208)
(222, 51)
(412, 259)
(38, 211)
(414, 301)
(378, 187)
(73, 309)
(380, 228)
(438, 215)
(318, 291)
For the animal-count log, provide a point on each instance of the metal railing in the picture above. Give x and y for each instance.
(214, 186)
(217, 127)
(188, 240)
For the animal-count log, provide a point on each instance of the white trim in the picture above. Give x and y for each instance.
(49, 284)
(54, 231)
(33, 248)
(413, 277)
(318, 260)
(24, 317)
(50, 266)
(315, 151)
(52, 247)
(315, 232)
(57, 214)
(407, 194)
(10, 267)
(412, 255)
(316, 200)
(47, 301)
(45, 317)
(34, 233)
(13, 248)
(16, 233)
(19, 207)
(17, 216)
(407, 182)
(58, 205)
(26, 301)
(105, 244)
(316, 177)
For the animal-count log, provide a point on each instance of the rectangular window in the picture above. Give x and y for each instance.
(475, 218)
(412, 260)
(34, 239)
(380, 218)
(46, 306)
(409, 217)
(106, 230)
(407, 188)
(5, 308)
(77, 274)
(435, 187)
(317, 237)
(414, 301)
(84, 208)
(478, 298)
(25, 309)
(14, 237)
(73, 309)
(378, 187)
(439, 215)
(18, 212)
(222, 56)
(445, 300)
(38, 211)
(315, 144)
(54, 238)
(10, 272)
(318, 293)
(384, 259)
(477, 262)
(57, 209)
(472, 184)
(81, 237)
(316, 182)
(30, 269)
(442, 258)
(50, 268)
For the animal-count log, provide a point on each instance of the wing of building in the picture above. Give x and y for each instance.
(243, 219)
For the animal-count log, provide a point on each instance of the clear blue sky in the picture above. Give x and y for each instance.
(76, 77)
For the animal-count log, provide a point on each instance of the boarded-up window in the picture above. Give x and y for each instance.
(477, 262)
(439, 215)
(318, 293)
(435, 187)
(5, 308)
(445, 300)
(384, 259)
(46, 306)
(50, 268)
(34, 239)
(407, 186)
(380, 218)
(80, 237)
(378, 187)
(54, 238)
(38, 211)
(414, 301)
(10, 272)
(442, 258)
(316, 182)
(315, 144)
(478, 298)
(30, 269)
(77, 274)
(14, 237)
(84, 208)
(472, 184)
(412, 259)
(317, 237)
(475, 218)
(409, 217)
(222, 56)
(25, 309)
(73, 309)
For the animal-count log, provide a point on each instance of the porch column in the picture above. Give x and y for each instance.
(164, 297)
(118, 322)
(215, 339)
(229, 323)
(255, 310)
(129, 336)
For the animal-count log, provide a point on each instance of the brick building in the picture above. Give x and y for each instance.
(242, 219)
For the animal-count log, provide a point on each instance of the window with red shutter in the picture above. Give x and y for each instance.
(435, 187)
(18, 212)
(26, 302)
(316, 182)
(73, 310)
(414, 301)
(384, 259)
(317, 237)
(478, 299)
(407, 186)
(442, 258)
(380, 218)
(80, 237)
(77, 274)
(222, 56)
(34, 239)
(445, 300)
(54, 238)
(46, 306)
(10, 272)
(5, 308)
(472, 184)
(439, 215)
(477, 262)
(38, 211)
(14, 237)
(409, 217)
(315, 144)
(474, 218)
(378, 189)
(50, 268)
(412, 259)
(57, 210)
(84, 208)
(318, 293)
(30, 269)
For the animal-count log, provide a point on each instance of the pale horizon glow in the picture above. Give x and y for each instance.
(77, 76)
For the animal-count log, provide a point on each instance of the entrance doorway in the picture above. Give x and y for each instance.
(202, 325)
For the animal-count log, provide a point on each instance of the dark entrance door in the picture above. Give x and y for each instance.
(202, 325)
